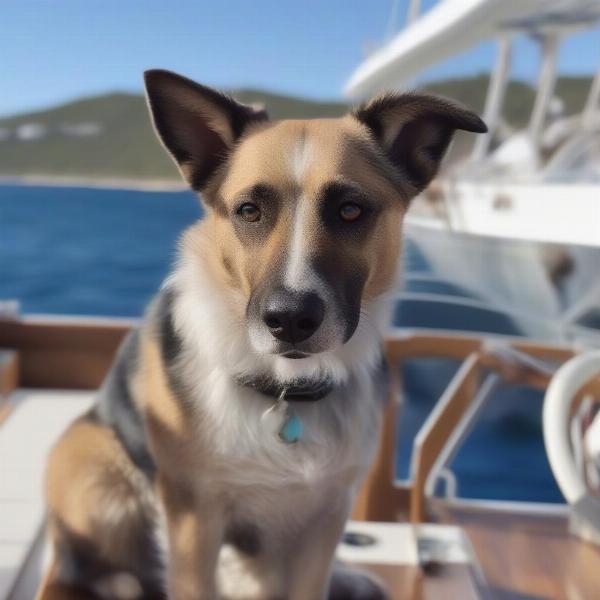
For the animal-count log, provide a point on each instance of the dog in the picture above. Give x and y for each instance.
(231, 434)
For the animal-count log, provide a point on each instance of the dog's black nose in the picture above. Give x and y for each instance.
(293, 316)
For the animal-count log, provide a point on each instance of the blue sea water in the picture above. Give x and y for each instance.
(105, 252)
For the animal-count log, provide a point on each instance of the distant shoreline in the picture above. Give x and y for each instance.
(109, 183)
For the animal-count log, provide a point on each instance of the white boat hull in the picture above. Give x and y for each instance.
(545, 287)
(558, 213)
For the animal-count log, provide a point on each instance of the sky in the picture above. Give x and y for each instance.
(52, 51)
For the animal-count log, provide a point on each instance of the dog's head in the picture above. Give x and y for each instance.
(305, 215)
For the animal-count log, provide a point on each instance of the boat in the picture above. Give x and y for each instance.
(419, 528)
(417, 534)
(516, 223)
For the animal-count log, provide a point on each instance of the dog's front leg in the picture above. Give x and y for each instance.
(311, 557)
(195, 532)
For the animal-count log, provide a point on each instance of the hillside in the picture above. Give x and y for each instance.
(519, 96)
(110, 137)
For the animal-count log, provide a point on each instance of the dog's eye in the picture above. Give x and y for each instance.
(249, 212)
(350, 211)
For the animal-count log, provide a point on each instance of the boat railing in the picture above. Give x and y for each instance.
(563, 328)
(486, 361)
(68, 353)
(557, 409)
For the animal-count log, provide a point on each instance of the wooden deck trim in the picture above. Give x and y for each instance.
(9, 371)
(76, 353)
(379, 499)
(9, 380)
(423, 343)
(63, 353)
(477, 354)
(438, 428)
(529, 556)
(6, 409)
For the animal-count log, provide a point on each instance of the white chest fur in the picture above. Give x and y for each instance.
(241, 435)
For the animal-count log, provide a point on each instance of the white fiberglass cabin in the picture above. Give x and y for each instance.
(517, 223)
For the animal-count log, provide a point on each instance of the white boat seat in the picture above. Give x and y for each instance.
(27, 434)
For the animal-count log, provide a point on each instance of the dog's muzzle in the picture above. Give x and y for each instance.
(293, 316)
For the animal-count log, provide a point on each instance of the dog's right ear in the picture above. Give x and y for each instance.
(415, 130)
(197, 124)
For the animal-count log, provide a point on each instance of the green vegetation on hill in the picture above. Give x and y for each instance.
(126, 147)
(519, 95)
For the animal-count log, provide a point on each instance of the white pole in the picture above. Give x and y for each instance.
(495, 97)
(546, 83)
(392, 21)
(592, 105)
(414, 10)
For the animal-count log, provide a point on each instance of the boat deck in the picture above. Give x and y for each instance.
(525, 556)
(478, 552)
(33, 419)
(502, 556)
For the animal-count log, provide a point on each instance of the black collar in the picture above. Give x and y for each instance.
(300, 390)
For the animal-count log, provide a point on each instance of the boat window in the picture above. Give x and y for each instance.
(578, 161)
(423, 382)
(503, 457)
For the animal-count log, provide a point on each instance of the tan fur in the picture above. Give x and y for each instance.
(177, 453)
(169, 428)
(263, 158)
(97, 496)
(89, 462)
(103, 501)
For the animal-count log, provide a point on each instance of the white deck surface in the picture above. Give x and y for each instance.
(39, 417)
(35, 424)
(398, 544)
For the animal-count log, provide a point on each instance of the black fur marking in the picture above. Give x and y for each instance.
(185, 131)
(350, 584)
(300, 390)
(268, 201)
(347, 287)
(245, 537)
(418, 105)
(425, 125)
(332, 196)
(80, 566)
(116, 409)
(382, 379)
(170, 342)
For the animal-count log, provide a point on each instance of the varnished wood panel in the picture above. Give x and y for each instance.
(9, 371)
(457, 345)
(59, 353)
(379, 499)
(432, 438)
(448, 582)
(532, 557)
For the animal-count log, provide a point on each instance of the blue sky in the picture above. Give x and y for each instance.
(56, 50)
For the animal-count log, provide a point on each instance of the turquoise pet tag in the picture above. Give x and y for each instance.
(292, 429)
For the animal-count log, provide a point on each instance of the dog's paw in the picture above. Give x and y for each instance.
(352, 584)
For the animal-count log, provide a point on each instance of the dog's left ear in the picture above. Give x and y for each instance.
(415, 130)
(197, 125)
